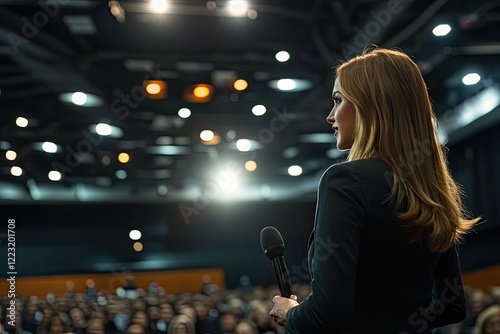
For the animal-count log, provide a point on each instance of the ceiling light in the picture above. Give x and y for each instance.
(201, 91)
(316, 138)
(250, 165)
(121, 174)
(211, 5)
(22, 122)
(135, 234)
(471, 79)
(240, 84)
(10, 155)
(156, 89)
(295, 170)
(243, 145)
(79, 98)
(282, 56)
(168, 150)
(214, 141)
(153, 88)
(206, 135)
(259, 110)
(162, 190)
(79, 24)
(231, 134)
(49, 147)
(103, 129)
(159, 6)
(441, 30)
(237, 7)
(123, 157)
(290, 85)
(138, 246)
(54, 175)
(82, 99)
(184, 113)
(252, 14)
(16, 171)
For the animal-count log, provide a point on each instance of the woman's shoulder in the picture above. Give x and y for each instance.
(363, 168)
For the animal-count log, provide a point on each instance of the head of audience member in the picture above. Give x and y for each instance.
(57, 325)
(95, 326)
(135, 329)
(228, 320)
(488, 321)
(246, 326)
(477, 301)
(190, 312)
(140, 317)
(77, 318)
(153, 313)
(181, 324)
(167, 312)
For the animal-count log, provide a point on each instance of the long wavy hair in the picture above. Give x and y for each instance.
(395, 121)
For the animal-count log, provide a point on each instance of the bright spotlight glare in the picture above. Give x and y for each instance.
(16, 171)
(206, 135)
(22, 122)
(259, 110)
(79, 98)
(286, 84)
(184, 113)
(153, 88)
(282, 56)
(159, 6)
(243, 145)
(103, 129)
(441, 30)
(49, 147)
(471, 79)
(135, 234)
(54, 175)
(295, 170)
(237, 7)
(11, 155)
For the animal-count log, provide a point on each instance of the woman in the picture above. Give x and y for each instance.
(181, 324)
(488, 321)
(388, 219)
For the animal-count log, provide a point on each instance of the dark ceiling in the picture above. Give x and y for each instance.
(53, 47)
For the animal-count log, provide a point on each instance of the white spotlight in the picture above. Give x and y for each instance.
(79, 98)
(237, 7)
(54, 175)
(471, 79)
(286, 84)
(295, 170)
(159, 6)
(206, 135)
(16, 171)
(441, 30)
(243, 145)
(103, 129)
(135, 234)
(22, 122)
(184, 113)
(49, 147)
(282, 56)
(259, 110)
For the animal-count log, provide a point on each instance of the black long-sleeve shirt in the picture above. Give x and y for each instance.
(366, 278)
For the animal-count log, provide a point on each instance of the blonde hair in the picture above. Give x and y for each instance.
(395, 122)
(181, 319)
(485, 316)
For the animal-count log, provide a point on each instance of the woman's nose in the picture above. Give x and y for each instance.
(330, 118)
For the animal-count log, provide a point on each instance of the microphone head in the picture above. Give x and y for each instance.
(271, 242)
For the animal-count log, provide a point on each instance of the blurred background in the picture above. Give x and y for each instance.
(152, 140)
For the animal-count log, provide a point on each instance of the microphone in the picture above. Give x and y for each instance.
(273, 246)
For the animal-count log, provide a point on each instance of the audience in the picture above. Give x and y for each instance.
(215, 311)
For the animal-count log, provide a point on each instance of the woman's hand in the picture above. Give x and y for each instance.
(281, 307)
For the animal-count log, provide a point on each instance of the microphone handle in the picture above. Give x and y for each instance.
(282, 276)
